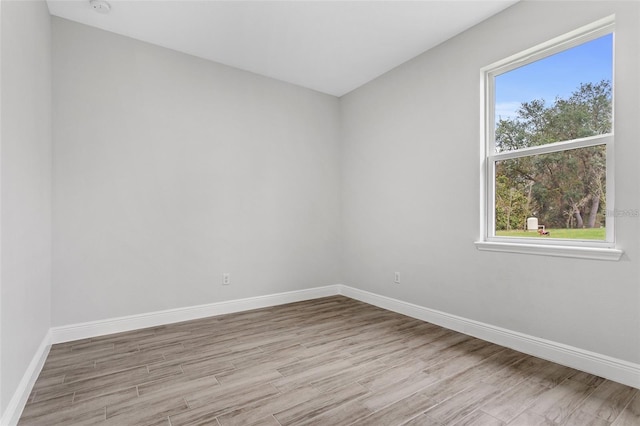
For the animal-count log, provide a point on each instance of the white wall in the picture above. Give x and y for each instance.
(25, 260)
(411, 160)
(170, 170)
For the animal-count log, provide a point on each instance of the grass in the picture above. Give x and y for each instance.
(571, 234)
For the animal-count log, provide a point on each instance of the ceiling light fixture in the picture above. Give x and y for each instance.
(100, 6)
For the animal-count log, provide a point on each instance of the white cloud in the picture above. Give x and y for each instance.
(506, 110)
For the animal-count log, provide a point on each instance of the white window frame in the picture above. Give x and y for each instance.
(590, 249)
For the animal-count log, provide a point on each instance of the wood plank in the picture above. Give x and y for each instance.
(480, 418)
(312, 408)
(630, 416)
(608, 400)
(461, 405)
(399, 412)
(329, 361)
(558, 403)
(514, 401)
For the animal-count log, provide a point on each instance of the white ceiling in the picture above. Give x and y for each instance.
(329, 46)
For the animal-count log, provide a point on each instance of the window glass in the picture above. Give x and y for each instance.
(552, 121)
(561, 97)
(564, 191)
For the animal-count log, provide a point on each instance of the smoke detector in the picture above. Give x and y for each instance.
(100, 6)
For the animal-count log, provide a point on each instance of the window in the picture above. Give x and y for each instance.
(548, 148)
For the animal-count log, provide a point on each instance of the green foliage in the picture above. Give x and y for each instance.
(587, 112)
(511, 204)
(563, 189)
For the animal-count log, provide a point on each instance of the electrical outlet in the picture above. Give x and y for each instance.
(396, 278)
(226, 278)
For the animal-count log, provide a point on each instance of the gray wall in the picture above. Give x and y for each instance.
(170, 170)
(25, 260)
(410, 194)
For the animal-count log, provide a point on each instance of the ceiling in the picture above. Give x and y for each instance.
(329, 46)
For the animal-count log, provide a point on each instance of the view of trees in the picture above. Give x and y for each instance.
(563, 189)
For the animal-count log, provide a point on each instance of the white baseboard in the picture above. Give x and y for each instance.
(618, 370)
(152, 319)
(13, 411)
(611, 368)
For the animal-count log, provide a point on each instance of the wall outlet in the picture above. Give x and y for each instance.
(396, 278)
(226, 278)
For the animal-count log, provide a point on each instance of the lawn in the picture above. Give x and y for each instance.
(572, 234)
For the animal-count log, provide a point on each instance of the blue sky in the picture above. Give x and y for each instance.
(556, 75)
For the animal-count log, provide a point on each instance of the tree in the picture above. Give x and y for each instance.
(563, 189)
(511, 205)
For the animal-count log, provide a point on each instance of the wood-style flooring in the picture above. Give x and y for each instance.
(331, 361)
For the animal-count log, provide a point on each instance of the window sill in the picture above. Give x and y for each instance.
(552, 250)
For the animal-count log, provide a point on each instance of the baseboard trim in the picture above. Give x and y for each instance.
(134, 322)
(601, 365)
(14, 410)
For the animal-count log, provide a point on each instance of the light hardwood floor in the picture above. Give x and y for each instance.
(331, 361)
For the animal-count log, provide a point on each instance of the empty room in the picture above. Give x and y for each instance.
(319, 212)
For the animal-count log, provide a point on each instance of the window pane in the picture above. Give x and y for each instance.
(561, 97)
(564, 191)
